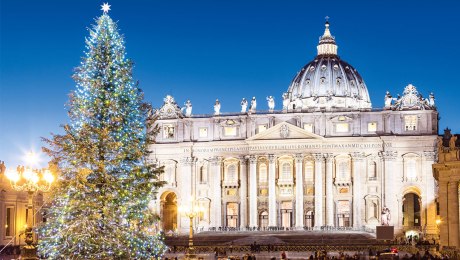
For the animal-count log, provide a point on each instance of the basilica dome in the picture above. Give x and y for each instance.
(327, 82)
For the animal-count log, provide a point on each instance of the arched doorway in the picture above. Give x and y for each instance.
(309, 218)
(169, 211)
(263, 220)
(286, 214)
(411, 210)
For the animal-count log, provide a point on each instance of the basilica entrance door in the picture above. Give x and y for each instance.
(411, 210)
(232, 214)
(169, 211)
(263, 220)
(310, 219)
(343, 213)
(286, 214)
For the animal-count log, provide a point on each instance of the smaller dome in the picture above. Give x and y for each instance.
(328, 82)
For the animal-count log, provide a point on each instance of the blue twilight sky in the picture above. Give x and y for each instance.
(229, 49)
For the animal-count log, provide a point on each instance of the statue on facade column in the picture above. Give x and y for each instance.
(271, 103)
(188, 108)
(386, 217)
(217, 107)
(244, 105)
(252, 107)
(285, 101)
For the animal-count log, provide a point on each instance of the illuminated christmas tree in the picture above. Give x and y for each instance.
(99, 205)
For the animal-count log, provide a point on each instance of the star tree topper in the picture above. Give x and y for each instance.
(105, 8)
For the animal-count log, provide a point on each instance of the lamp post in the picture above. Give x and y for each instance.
(191, 212)
(438, 229)
(30, 181)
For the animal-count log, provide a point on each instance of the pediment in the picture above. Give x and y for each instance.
(284, 130)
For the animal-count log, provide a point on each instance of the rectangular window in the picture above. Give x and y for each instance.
(9, 222)
(261, 128)
(308, 127)
(410, 123)
(229, 131)
(309, 172)
(169, 131)
(372, 127)
(342, 128)
(203, 132)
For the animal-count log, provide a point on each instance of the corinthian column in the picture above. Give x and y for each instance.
(186, 164)
(389, 171)
(429, 203)
(252, 191)
(329, 195)
(272, 216)
(318, 189)
(298, 192)
(243, 193)
(216, 175)
(358, 170)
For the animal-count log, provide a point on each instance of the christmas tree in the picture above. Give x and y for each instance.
(99, 205)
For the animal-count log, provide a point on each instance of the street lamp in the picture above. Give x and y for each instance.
(191, 212)
(30, 181)
(438, 229)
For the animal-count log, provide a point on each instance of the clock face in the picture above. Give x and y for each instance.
(410, 101)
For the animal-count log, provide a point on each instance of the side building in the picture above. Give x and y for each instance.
(326, 160)
(14, 213)
(447, 173)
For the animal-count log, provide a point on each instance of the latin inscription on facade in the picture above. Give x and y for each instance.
(289, 147)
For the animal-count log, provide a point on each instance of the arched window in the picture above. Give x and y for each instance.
(309, 171)
(231, 173)
(263, 173)
(286, 173)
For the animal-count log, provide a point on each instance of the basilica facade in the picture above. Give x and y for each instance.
(326, 159)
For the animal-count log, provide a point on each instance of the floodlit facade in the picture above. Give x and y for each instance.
(325, 159)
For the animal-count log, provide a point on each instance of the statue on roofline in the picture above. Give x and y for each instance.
(217, 107)
(244, 105)
(253, 106)
(271, 103)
